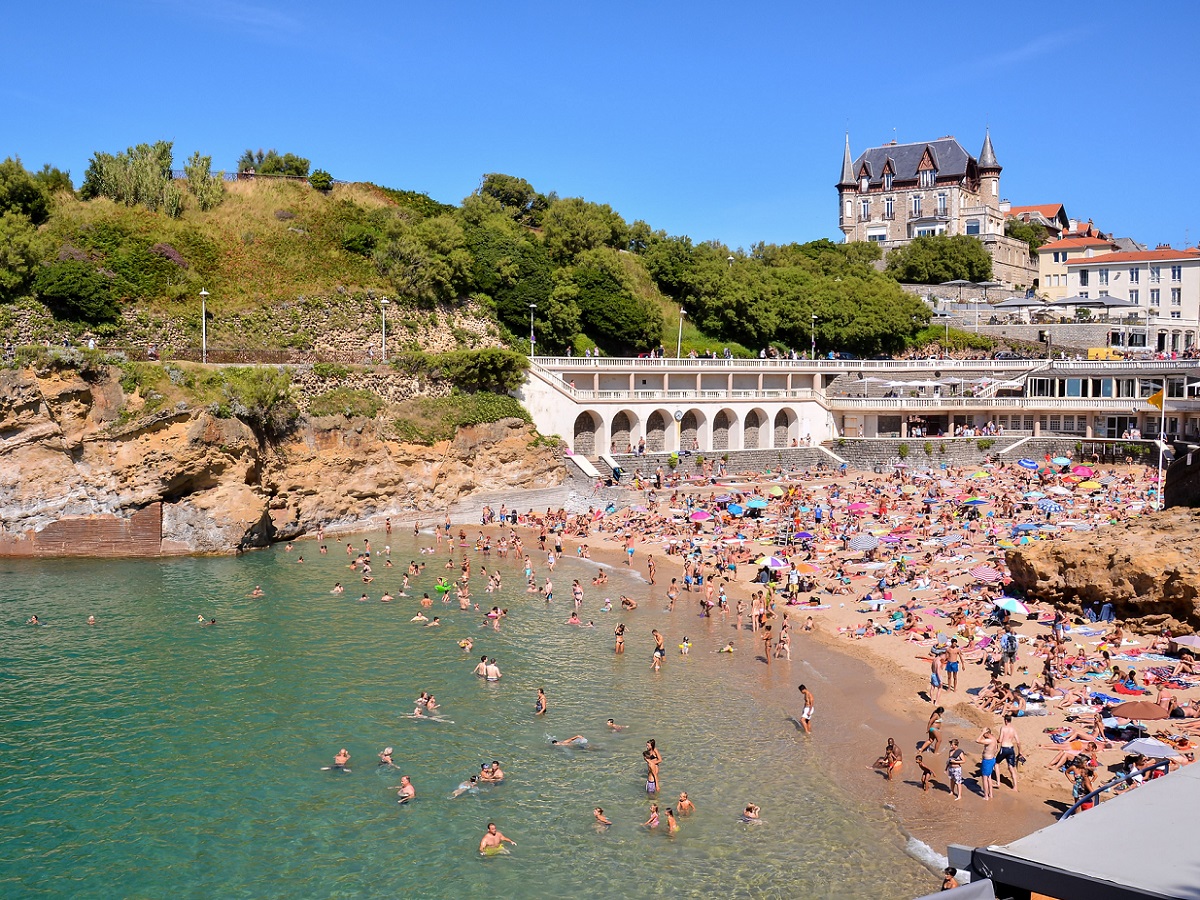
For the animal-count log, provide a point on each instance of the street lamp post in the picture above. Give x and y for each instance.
(812, 333)
(532, 341)
(679, 340)
(383, 304)
(203, 325)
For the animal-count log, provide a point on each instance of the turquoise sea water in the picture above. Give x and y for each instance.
(150, 757)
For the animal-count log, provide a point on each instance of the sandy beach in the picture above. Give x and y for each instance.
(877, 685)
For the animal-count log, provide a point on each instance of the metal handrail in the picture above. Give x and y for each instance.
(1161, 764)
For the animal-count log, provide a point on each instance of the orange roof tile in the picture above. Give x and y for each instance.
(1047, 210)
(1136, 257)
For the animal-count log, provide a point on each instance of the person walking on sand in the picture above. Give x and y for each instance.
(954, 768)
(933, 743)
(1010, 749)
(650, 567)
(935, 678)
(806, 716)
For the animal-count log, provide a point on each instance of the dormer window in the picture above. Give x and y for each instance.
(863, 184)
(925, 178)
(887, 180)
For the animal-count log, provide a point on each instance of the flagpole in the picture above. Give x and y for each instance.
(1162, 428)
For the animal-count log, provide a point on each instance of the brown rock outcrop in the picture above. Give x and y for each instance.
(1147, 568)
(74, 480)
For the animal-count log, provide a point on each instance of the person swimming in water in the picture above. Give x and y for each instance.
(751, 813)
(471, 784)
(407, 792)
(598, 815)
(577, 741)
(340, 762)
(385, 758)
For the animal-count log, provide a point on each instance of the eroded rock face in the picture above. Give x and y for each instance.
(1148, 568)
(68, 465)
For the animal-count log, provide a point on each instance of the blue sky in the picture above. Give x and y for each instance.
(716, 120)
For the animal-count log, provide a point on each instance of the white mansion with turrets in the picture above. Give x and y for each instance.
(897, 192)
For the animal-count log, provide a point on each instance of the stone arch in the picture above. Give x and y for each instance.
(753, 435)
(623, 430)
(658, 427)
(722, 430)
(587, 437)
(785, 428)
(691, 430)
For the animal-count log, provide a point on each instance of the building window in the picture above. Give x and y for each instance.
(928, 232)
(1154, 274)
(864, 183)
(1083, 277)
(1154, 293)
(916, 204)
(877, 238)
(1104, 276)
(1133, 297)
(866, 209)
(1176, 314)
(1176, 273)
(1133, 275)
(1176, 297)
(1104, 293)
(889, 207)
(888, 177)
(849, 210)
(972, 226)
(1083, 294)
(925, 178)
(941, 204)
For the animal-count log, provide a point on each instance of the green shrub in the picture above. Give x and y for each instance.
(260, 396)
(330, 370)
(902, 451)
(74, 290)
(985, 444)
(427, 420)
(673, 460)
(321, 181)
(929, 448)
(348, 402)
(699, 461)
(488, 369)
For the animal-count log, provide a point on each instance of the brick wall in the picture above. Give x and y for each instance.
(102, 535)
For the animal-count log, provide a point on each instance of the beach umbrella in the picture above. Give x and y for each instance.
(1191, 641)
(1152, 747)
(889, 539)
(1139, 709)
(803, 535)
(1090, 486)
(757, 503)
(1108, 479)
(1006, 544)
(701, 515)
(723, 498)
(1085, 471)
(1049, 506)
(1026, 526)
(864, 542)
(1061, 461)
(987, 574)
(807, 569)
(1047, 527)
(1060, 491)
(949, 540)
(858, 507)
(734, 509)
(775, 491)
(981, 474)
(909, 489)
(1035, 495)
(976, 501)
(1027, 464)
(773, 562)
(1011, 604)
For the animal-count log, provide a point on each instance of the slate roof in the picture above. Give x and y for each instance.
(1117, 259)
(951, 159)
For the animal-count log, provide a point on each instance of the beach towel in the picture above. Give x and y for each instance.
(1129, 691)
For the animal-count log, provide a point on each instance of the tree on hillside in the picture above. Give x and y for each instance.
(207, 188)
(20, 192)
(619, 321)
(427, 262)
(20, 251)
(940, 258)
(574, 225)
(271, 162)
(510, 265)
(1033, 235)
(139, 176)
(74, 290)
(53, 180)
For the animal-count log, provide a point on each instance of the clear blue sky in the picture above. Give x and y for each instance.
(716, 120)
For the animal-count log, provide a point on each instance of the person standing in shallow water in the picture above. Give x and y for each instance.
(806, 715)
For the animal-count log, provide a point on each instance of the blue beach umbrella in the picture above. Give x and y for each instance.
(757, 503)
(1027, 464)
(1033, 495)
(1048, 505)
(734, 509)
(1026, 526)
(1061, 461)
(976, 501)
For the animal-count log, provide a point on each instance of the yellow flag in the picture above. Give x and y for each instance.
(1156, 399)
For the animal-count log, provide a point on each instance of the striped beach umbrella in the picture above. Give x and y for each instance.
(987, 574)
(864, 542)
(1027, 464)
(773, 562)
(1011, 604)
(949, 540)
(1049, 506)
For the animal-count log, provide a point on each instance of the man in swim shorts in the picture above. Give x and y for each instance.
(806, 716)
(407, 791)
(954, 764)
(493, 839)
(341, 761)
(987, 765)
(953, 663)
(1010, 749)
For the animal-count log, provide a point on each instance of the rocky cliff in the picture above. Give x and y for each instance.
(82, 473)
(1146, 567)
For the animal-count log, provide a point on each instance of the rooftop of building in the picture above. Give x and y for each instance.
(1164, 254)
